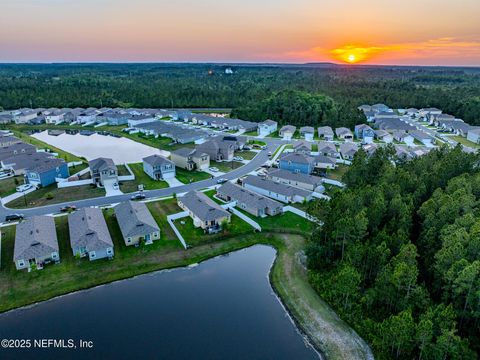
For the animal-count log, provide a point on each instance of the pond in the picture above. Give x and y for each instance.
(121, 150)
(223, 308)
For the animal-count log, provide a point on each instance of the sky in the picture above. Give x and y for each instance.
(406, 32)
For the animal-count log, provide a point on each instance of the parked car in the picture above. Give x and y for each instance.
(138, 196)
(115, 186)
(247, 148)
(24, 187)
(221, 181)
(238, 158)
(14, 217)
(68, 208)
(213, 169)
(269, 154)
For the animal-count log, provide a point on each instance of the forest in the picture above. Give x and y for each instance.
(309, 94)
(398, 256)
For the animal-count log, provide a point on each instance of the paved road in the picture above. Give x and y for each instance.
(258, 161)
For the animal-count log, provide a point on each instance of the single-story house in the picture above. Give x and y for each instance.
(287, 132)
(89, 234)
(307, 132)
(190, 159)
(249, 201)
(403, 136)
(384, 136)
(277, 191)
(381, 107)
(423, 137)
(324, 162)
(205, 212)
(474, 135)
(302, 181)
(303, 147)
(36, 243)
(325, 133)
(344, 133)
(327, 148)
(348, 150)
(136, 223)
(8, 140)
(267, 127)
(103, 170)
(296, 162)
(158, 167)
(365, 133)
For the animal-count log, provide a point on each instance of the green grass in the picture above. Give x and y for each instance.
(246, 154)
(187, 177)
(122, 170)
(274, 134)
(314, 147)
(257, 142)
(226, 166)
(141, 178)
(75, 169)
(8, 185)
(338, 172)
(39, 197)
(465, 142)
(287, 222)
(196, 236)
(250, 133)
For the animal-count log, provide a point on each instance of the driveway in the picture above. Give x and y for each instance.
(173, 182)
(110, 191)
(16, 195)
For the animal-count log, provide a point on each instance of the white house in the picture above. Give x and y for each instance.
(267, 127)
(287, 132)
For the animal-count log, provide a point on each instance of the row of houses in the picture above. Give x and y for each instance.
(36, 242)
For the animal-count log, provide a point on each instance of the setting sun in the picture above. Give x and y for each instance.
(351, 58)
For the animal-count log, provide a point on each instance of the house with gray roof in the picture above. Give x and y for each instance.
(36, 243)
(45, 171)
(325, 133)
(384, 136)
(89, 235)
(205, 212)
(474, 135)
(322, 162)
(296, 162)
(344, 134)
(348, 150)
(190, 159)
(403, 136)
(16, 149)
(423, 137)
(103, 170)
(303, 147)
(158, 167)
(251, 202)
(19, 163)
(267, 127)
(217, 149)
(136, 223)
(302, 181)
(287, 132)
(281, 192)
(307, 132)
(327, 148)
(8, 140)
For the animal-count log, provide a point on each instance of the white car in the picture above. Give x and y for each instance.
(24, 187)
(115, 186)
(213, 169)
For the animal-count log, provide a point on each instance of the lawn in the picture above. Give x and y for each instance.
(122, 170)
(187, 177)
(246, 154)
(250, 133)
(39, 197)
(257, 142)
(159, 142)
(8, 185)
(286, 222)
(338, 172)
(141, 178)
(76, 168)
(226, 166)
(465, 142)
(196, 236)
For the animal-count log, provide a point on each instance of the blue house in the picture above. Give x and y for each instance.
(365, 133)
(43, 171)
(297, 162)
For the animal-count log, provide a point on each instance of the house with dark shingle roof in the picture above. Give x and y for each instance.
(35, 243)
(277, 191)
(296, 162)
(302, 181)
(44, 171)
(217, 150)
(344, 133)
(158, 167)
(267, 127)
(136, 223)
(204, 212)
(348, 150)
(190, 159)
(303, 147)
(307, 132)
(251, 202)
(325, 133)
(89, 235)
(327, 148)
(287, 132)
(103, 169)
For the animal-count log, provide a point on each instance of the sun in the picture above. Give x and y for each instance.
(351, 58)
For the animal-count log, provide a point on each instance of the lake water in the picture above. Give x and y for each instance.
(121, 150)
(223, 308)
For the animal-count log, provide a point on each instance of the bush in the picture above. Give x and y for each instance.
(49, 196)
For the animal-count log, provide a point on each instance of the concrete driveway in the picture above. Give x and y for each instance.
(110, 191)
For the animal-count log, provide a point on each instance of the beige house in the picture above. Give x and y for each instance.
(190, 159)
(136, 223)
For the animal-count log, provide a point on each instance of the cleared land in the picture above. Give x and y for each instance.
(226, 166)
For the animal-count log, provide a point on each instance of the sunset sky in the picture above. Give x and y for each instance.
(424, 32)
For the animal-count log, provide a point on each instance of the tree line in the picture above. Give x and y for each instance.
(398, 255)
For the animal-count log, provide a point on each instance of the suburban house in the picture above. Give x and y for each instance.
(249, 201)
(326, 148)
(393, 124)
(20, 162)
(16, 149)
(381, 108)
(217, 150)
(324, 162)
(277, 191)
(425, 112)
(35, 243)
(422, 137)
(89, 234)
(136, 223)
(287, 132)
(103, 170)
(158, 167)
(55, 116)
(325, 133)
(205, 212)
(307, 132)
(348, 150)
(43, 171)
(267, 127)
(474, 135)
(23, 116)
(303, 147)
(87, 116)
(344, 134)
(296, 162)
(365, 133)
(384, 136)
(8, 140)
(302, 181)
(190, 159)
(403, 136)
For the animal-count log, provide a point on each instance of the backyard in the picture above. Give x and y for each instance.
(141, 178)
(8, 185)
(338, 172)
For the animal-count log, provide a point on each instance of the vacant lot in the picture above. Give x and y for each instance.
(226, 166)
(188, 177)
(141, 178)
